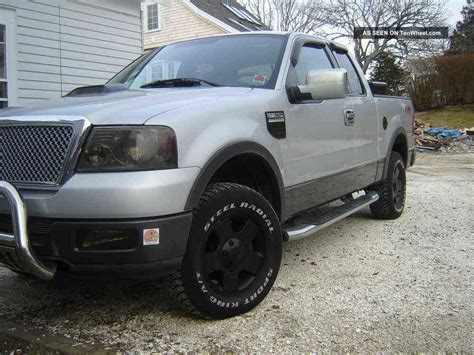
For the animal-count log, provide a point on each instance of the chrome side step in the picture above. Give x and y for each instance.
(15, 249)
(304, 228)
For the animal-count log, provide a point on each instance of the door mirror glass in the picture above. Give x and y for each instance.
(324, 84)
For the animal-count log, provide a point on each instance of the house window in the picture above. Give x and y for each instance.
(153, 17)
(3, 68)
(8, 59)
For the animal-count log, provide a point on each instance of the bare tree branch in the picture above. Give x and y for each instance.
(287, 15)
(341, 16)
(336, 19)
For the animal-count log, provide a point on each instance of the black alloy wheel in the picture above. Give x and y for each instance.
(398, 187)
(392, 190)
(233, 254)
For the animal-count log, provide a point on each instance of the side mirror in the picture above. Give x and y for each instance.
(324, 84)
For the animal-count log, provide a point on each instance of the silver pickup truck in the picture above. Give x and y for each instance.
(198, 161)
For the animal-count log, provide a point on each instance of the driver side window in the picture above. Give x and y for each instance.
(312, 57)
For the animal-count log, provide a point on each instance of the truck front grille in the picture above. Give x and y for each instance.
(36, 225)
(39, 231)
(34, 154)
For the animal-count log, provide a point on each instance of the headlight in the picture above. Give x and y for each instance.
(129, 148)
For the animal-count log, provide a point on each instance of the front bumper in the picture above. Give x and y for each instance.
(124, 195)
(112, 247)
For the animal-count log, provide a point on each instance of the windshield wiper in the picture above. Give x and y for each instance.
(178, 82)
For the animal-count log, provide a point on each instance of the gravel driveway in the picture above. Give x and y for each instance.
(360, 285)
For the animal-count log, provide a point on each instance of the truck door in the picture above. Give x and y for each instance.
(321, 149)
(365, 120)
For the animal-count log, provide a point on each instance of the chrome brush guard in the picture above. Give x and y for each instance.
(15, 250)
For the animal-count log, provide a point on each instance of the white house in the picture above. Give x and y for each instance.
(49, 47)
(167, 21)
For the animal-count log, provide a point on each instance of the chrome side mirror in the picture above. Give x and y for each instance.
(325, 84)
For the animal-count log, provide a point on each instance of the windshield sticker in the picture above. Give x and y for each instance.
(260, 79)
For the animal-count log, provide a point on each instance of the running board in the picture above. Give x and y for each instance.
(304, 228)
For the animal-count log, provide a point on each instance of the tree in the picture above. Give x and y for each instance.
(462, 39)
(442, 80)
(386, 68)
(455, 79)
(420, 82)
(340, 17)
(286, 15)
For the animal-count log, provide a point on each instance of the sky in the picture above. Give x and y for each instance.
(454, 8)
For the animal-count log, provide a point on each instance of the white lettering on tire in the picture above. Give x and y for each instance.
(235, 304)
(241, 205)
(217, 214)
(260, 289)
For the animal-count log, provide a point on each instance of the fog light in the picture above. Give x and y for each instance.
(104, 240)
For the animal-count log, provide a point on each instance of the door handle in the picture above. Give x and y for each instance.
(349, 117)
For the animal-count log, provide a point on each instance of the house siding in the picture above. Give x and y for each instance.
(63, 44)
(179, 22)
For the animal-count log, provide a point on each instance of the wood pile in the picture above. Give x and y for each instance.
(425, 142)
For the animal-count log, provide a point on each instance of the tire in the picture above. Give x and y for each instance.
(392, 190)
(233, 254)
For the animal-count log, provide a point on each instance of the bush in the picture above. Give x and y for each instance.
(421, 74)
(455, 78)
(439, 81)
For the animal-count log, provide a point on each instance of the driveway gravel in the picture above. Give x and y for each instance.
(359, 285)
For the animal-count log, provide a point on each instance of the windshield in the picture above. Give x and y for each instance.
(247, 60)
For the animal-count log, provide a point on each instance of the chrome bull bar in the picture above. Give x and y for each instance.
(18, 245)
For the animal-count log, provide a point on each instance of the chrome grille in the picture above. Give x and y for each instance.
(34, 154)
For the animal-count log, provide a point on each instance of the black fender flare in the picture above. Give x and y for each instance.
(222, 156)
(394, 137)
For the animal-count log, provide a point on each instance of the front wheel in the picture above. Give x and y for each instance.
(392, 190)
(233, 254)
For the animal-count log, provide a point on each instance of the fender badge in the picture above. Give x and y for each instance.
(151, 236)
(275, 117)
(276, 124)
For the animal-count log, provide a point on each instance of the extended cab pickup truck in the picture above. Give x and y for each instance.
(199, 160)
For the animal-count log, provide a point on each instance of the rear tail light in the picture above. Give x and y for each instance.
(408, 110)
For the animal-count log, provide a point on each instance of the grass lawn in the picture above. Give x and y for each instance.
(450, 117)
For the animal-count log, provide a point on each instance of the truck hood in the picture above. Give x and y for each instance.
(126, 107)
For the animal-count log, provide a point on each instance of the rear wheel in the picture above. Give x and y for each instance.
(233, 254)
(392, 190)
